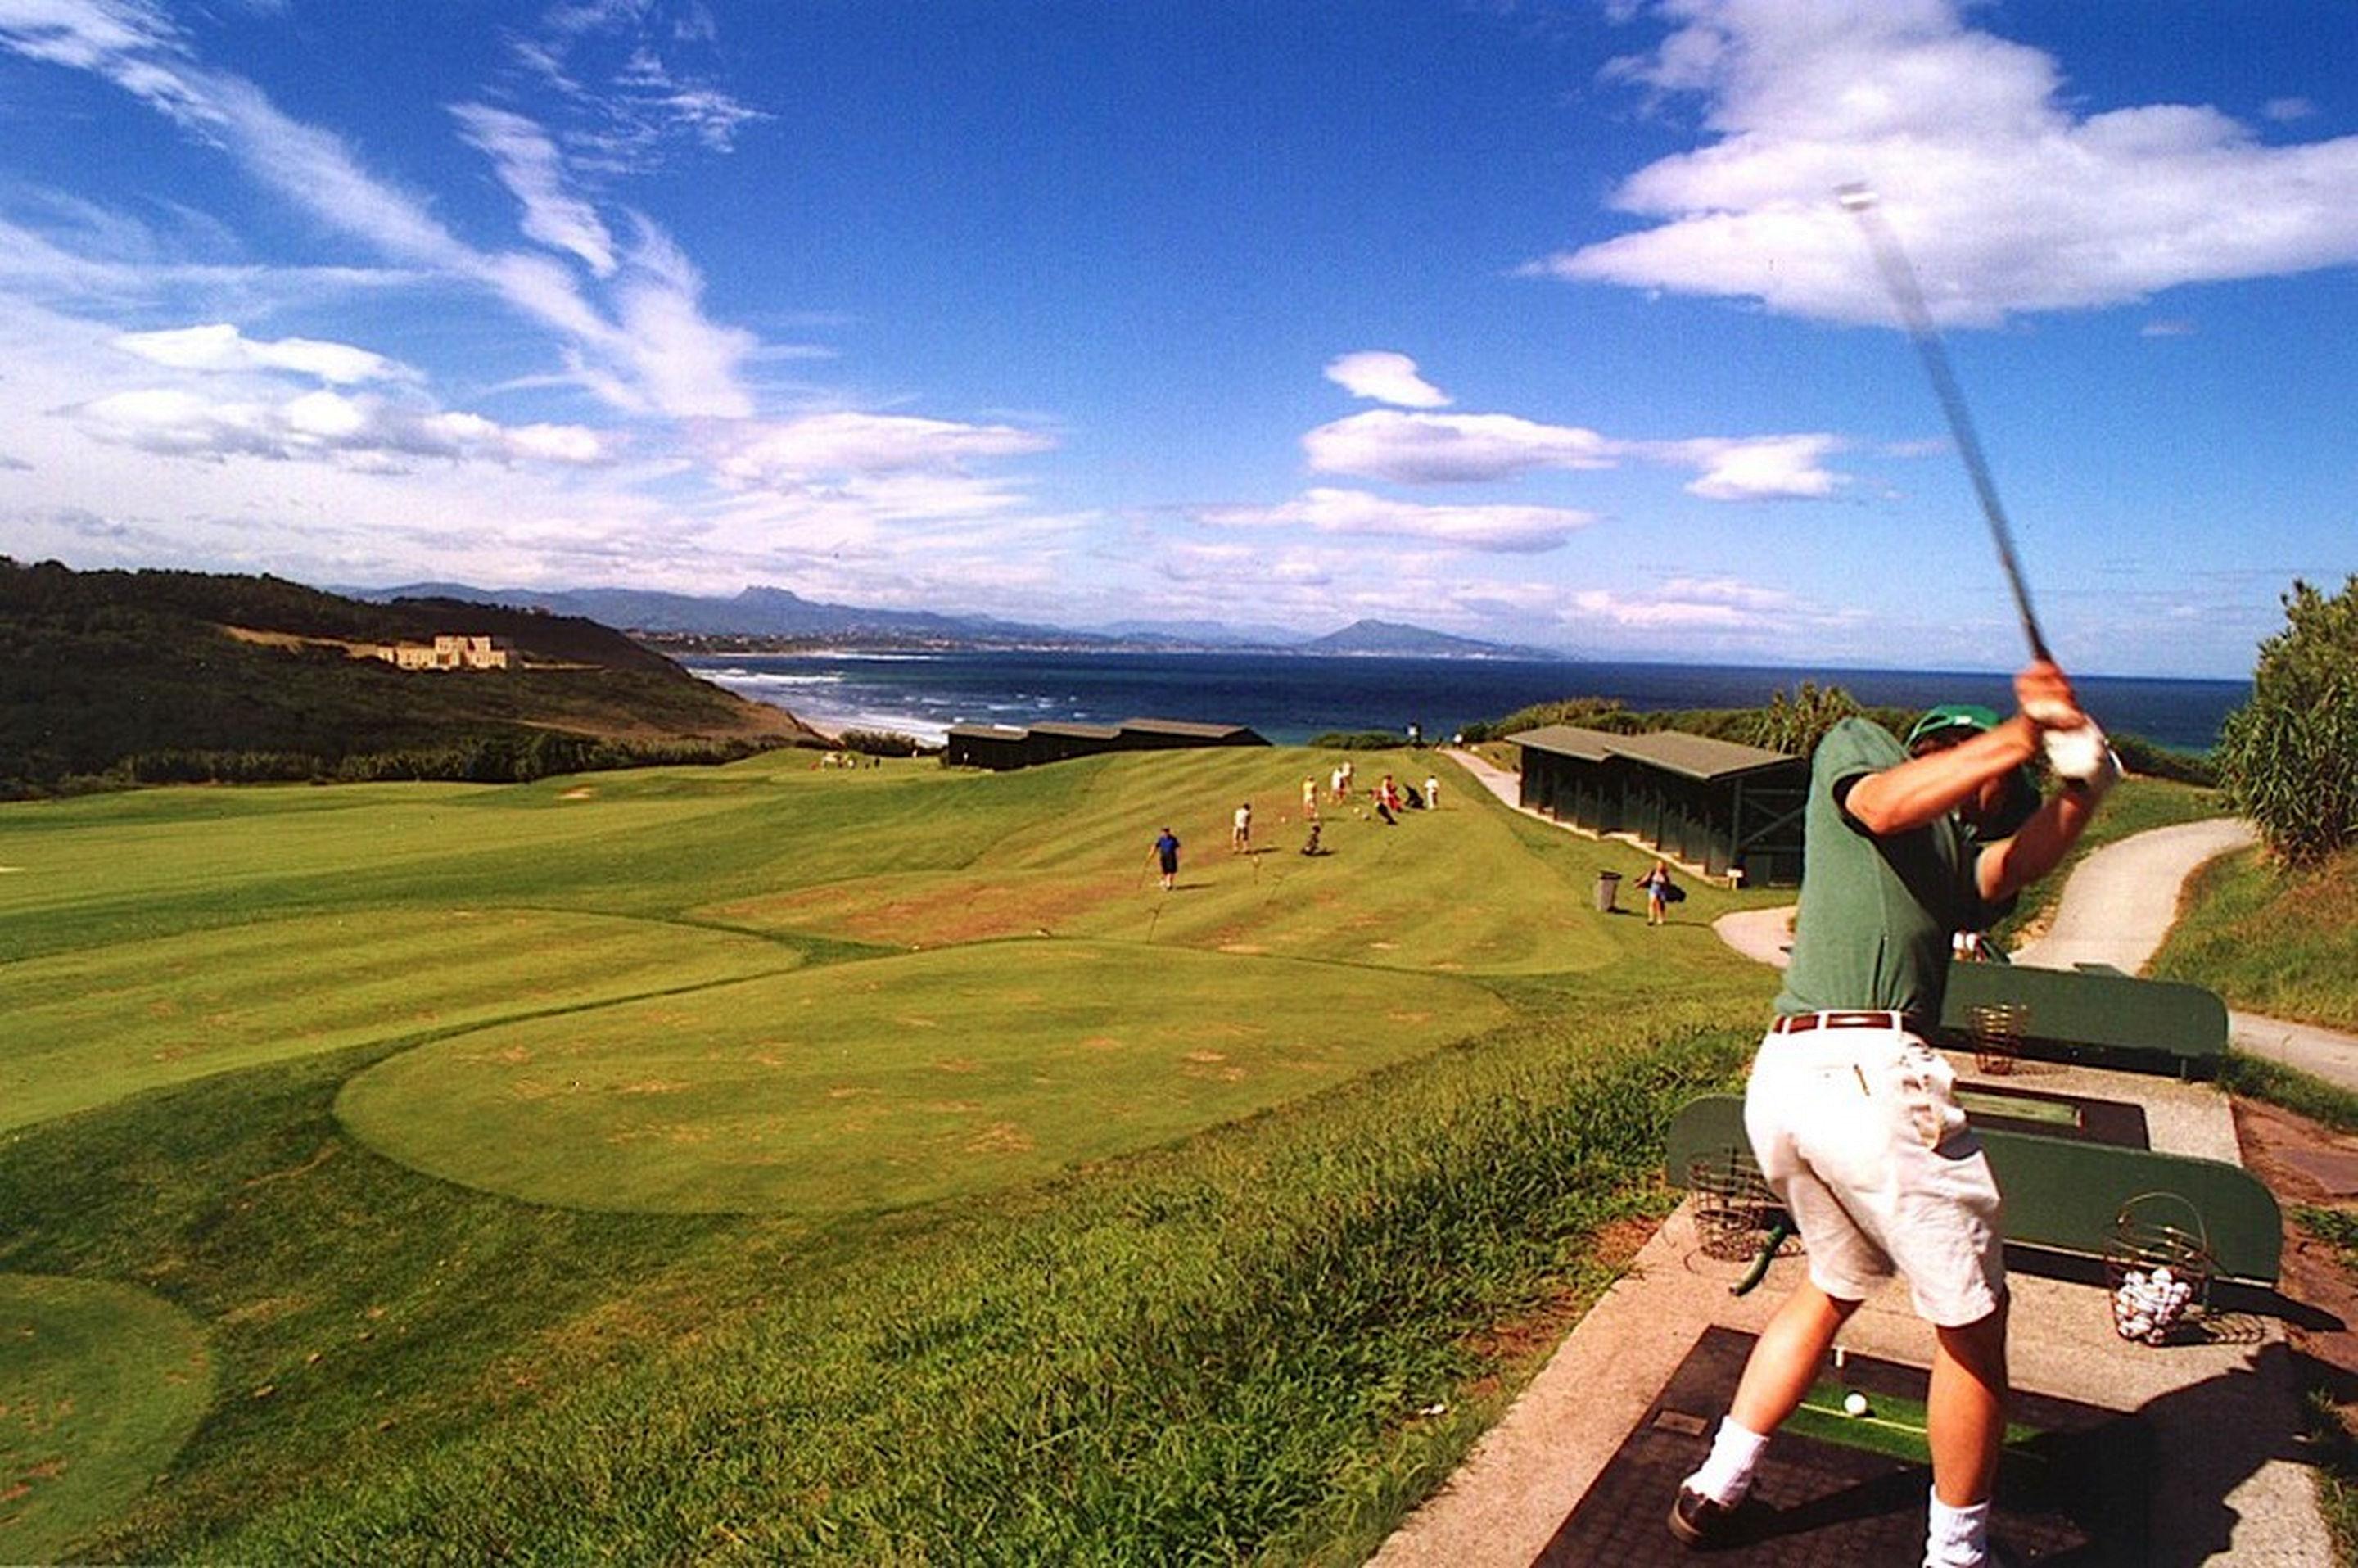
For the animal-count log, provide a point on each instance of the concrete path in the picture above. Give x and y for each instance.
(2122, 900)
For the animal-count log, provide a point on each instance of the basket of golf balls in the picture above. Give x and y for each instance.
(1734, 1207)
(2159, 1265)
(1997, 1029)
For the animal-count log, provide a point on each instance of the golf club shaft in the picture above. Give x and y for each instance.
(1780, 1232)
(1900, 280)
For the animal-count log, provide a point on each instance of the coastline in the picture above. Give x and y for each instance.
(1290, 698)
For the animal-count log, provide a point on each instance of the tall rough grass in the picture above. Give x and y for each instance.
(1215, 1352)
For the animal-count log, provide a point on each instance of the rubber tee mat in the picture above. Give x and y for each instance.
(1844, 1481)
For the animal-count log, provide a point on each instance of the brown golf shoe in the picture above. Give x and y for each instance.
(1699, 1523)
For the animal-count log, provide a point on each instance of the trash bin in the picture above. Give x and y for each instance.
(1608, 888)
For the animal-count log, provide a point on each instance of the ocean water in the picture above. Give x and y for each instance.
(1289, 698)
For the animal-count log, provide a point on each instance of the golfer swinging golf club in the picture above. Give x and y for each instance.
(1851, 1113)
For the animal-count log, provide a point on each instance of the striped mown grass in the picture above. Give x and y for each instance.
(1299, 1142)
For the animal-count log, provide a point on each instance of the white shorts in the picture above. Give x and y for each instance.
(1859, 1134)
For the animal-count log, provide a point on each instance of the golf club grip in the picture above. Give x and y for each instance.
(1780, 1230)
(1900, 281)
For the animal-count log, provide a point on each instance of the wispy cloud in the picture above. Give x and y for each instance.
(1462, 449)
(1719, 604)
(653, 351)
(530, 166)
(1517, 529)
(631, 72)
(2009, 197)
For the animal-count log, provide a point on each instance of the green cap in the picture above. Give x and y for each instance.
(1969, 716)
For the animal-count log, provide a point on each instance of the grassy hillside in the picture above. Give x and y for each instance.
(142, 677)
(2279, 942)
(766, 1162)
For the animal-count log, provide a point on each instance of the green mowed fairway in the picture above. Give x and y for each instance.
(93, 1025)
(436, 1105)
(99, 1385)
(1456, 889)
(892, 1081)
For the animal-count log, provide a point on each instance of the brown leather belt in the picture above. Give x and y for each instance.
(1906, 1022)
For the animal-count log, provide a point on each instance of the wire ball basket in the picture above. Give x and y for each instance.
(1734, 1207)
(2159, 1267)
(1998, 1028)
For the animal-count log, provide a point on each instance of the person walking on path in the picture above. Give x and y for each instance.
(1166, 854)
(1852, 1115)
(1657, 883)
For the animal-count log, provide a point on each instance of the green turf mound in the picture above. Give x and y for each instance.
(100, 1384)
(92, 1026)
(892, 1081)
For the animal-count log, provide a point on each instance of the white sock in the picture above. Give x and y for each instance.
(1956, 1538)
(1726, 1474)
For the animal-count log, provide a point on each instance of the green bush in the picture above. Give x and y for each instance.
(2149, 760)
(880, 744)
(1796, 725)
(2288, 759)
(1358, 741)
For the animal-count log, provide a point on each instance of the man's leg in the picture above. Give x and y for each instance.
(1787, 1357)
(1965, 1417)
(1783, 1364)
(1965, 1424)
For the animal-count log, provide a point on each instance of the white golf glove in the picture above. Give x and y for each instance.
(2081, 759)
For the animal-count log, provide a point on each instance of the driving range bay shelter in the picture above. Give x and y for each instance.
(1001, 746)
(1714, 805)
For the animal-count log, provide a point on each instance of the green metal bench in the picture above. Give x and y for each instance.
(2063, 1197)
(2096, 1016)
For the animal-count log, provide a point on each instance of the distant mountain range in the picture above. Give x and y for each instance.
(777, 614)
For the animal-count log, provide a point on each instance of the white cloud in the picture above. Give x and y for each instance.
(1442, 448)
(320, 425)
(219, 347)
(2006, 197)
(1385, 377)
(1515, 529)
(1775, 467)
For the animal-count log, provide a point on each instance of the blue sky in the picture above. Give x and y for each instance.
(1527, 320)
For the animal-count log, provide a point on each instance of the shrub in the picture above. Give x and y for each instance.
(2147, 760)
(2288, 759)
(1796, 725)
(880, 744)
(1358, 741)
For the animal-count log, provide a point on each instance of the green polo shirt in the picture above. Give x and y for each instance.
(1876, 914)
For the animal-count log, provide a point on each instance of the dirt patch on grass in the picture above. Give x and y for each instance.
(1518, 1345)
(2288, 1152)
(1000, 1137)
(938, 913)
